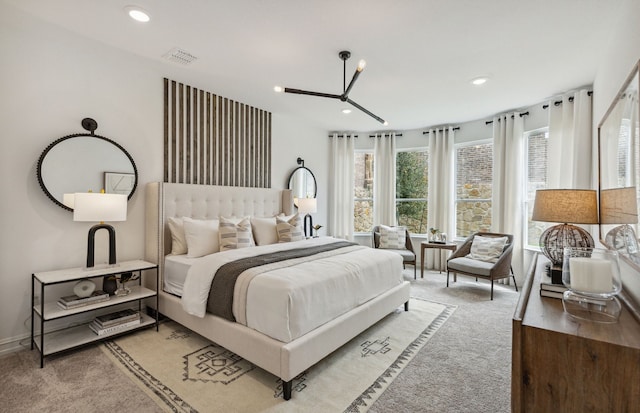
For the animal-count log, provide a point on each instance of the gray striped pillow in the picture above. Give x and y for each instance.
(487, 248)
(289, 230)
(235, 235)
(392, 237)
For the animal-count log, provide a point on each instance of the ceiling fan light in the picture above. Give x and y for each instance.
(137, 14)
(361, 65)
(278, 89)
(386, 123)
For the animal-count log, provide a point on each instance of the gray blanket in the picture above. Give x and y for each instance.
(220, 300)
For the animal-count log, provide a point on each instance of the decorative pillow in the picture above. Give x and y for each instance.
(487, 248)
(201, 236)
(264, 230)
(178, 240)
(235, 234)
(289, 230)
(392, 237)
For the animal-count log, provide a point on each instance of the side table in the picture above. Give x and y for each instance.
(426, 244)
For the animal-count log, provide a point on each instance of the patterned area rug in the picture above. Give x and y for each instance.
(184, 372)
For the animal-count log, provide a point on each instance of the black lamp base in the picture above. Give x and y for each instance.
(91, 242)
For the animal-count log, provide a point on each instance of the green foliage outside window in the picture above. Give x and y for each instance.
(412, 184)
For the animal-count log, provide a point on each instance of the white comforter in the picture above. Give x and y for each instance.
(288, 299)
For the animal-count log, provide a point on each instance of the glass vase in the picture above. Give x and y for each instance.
(592, 276)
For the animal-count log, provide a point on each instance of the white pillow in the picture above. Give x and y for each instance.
(201, 236)
(487, 248)
(264, 230)
(394, 238)
(178, 240)
(289, 230)
(235, 234)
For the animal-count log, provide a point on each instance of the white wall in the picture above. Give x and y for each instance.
(51, 80)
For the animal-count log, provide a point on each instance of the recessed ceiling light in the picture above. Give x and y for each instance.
(346, 111)
(278, 89)
(137, 14)
(479, 80)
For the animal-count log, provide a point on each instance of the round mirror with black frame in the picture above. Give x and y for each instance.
(302, 182)
(84, 162)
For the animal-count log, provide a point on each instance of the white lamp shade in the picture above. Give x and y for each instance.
(95, 207)
(67, 200)
(307, 205)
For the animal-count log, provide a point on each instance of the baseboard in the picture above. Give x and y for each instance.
(14, 344)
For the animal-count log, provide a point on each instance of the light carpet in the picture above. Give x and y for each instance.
(185, 372)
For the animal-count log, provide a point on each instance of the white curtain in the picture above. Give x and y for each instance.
(384, 179)
(570, 142)
(507, 190)
(341, 189)
(440, 197)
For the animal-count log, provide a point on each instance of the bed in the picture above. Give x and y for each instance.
(285, 354)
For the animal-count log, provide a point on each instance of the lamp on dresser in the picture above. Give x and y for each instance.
(100, 207)
(566, 206)
(307, 206)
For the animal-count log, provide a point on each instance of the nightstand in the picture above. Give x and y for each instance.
(47, 309)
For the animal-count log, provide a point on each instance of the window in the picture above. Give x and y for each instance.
(536, 155)
(473, 180)
(363, 192)
(411, 189)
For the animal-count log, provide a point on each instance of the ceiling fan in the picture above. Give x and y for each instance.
(344, 97)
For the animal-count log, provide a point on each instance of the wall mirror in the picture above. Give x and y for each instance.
(85, 162)
(302, 182)
(619, 171)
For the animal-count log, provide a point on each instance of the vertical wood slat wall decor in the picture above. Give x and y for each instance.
(211, 140)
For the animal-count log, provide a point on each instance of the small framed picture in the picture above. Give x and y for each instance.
(119, 183)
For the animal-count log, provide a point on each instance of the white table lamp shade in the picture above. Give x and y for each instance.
(307, 205)
(98, 207)
(67, 200)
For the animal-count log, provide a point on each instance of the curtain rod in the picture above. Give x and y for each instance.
(441, 130)
(342, 136)
(489, 122)
(384, 134)
(559, 102)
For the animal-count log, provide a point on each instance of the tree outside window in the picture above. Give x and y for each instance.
(411, 189)
(474, 178)
(363, 192)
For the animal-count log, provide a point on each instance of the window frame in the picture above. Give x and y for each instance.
(457, 146)
(426, 199)
(525, 184)
(365, 151)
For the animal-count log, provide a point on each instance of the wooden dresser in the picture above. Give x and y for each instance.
(561, 364)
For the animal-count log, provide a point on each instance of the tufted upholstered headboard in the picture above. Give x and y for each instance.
(164, 200)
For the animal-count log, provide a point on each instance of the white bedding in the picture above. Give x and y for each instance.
(176, 268)
(285, 303)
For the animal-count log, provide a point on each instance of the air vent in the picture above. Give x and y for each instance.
(180, 56)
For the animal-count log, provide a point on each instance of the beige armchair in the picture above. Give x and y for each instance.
(460, 263)
(408, 255)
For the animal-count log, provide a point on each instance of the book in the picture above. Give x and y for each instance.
(67, 306)
(552, 294)
(74, 299)
(113, 329)
(119, 317)
(553, 287)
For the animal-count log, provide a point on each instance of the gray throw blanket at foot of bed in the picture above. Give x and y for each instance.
(221, 294)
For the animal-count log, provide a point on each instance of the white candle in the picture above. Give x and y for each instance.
(591, 275)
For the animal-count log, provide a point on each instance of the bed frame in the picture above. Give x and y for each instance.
(285, 360)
